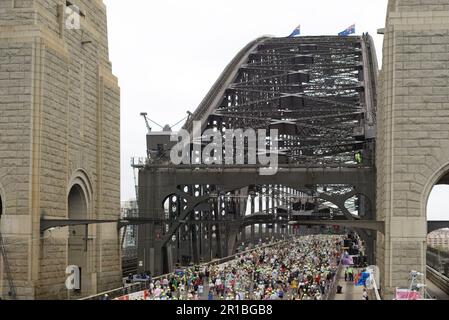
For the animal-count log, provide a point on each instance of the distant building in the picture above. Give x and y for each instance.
(129, 209)
(439, 239)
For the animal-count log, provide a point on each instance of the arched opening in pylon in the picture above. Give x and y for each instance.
(437, 256)
(78, 246)
(437, 214)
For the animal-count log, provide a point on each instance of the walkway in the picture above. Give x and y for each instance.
(349, 291)
(436, 292)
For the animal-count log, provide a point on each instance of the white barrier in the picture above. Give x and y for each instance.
(373, 279)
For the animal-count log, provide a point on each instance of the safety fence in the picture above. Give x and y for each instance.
(332, 288)
(439, 279)
(375, 287)
(438, 260)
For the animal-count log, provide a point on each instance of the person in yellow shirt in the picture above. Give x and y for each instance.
(294, 284)
(358, 157)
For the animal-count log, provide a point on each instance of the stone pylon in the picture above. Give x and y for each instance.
(413, 135)
(59, 147)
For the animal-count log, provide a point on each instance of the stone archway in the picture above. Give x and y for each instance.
(78, 248)
(77, 203)
(440, 177)
(436, 194)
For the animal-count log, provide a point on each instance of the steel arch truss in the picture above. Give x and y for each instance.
(318, 93)
(311, 89)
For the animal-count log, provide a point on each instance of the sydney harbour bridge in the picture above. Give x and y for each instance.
(329, 107)
(349, 147)
(319, 94)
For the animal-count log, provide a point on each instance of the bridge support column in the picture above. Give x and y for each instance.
(232, 240)
(219, 242)
(195, 244)
(412, 151)
(400, 251)
(253, 233)
(243, 235)
(369, 239)
(152, 251)
(153, 258)
(185, 248)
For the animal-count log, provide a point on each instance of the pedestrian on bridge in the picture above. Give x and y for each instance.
(365, 295)
(351, 274)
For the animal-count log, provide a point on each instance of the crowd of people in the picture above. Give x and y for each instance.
(301, 269)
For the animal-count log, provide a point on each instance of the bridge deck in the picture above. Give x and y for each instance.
(349, 291)
(435, 291)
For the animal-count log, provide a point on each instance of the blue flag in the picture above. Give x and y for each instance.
(362, 281)
(296, 32)
(348, 31)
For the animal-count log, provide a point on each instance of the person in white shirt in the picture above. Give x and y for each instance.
(365, 295)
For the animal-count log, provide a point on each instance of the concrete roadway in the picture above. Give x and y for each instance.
(436, 292)
(349, 290)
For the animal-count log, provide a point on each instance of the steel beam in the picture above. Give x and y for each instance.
(359, 224)
(436, 225)
(46, 224)
(240, 176)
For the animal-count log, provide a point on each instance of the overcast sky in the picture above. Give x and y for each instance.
(167, 54)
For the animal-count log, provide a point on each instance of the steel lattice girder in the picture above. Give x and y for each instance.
(290, 80)
(321, 85)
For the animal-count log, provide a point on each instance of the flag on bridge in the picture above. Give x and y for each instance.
(296, 32)
(348, 31)
(362, 280)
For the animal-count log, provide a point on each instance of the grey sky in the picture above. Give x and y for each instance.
(167, 54)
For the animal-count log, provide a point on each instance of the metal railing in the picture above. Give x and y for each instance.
(138, 162)
(440, 280)
(331, 288)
